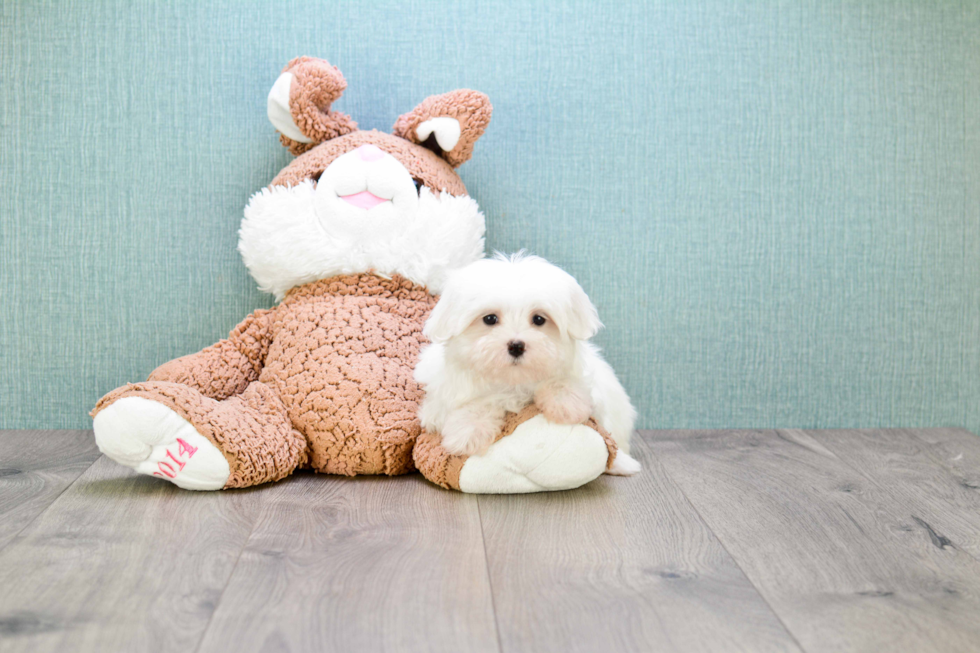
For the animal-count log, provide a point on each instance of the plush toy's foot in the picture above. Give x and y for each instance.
(156, 441)
(538, 456)
(532, 455)
(172, 431)
(624, 465)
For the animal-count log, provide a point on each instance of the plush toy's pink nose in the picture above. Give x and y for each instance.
(370, 152)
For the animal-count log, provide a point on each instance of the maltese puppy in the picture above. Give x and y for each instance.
(509, 331)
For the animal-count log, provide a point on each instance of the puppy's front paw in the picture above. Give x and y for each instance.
(624, 465)
(461, 437)
(564, 404)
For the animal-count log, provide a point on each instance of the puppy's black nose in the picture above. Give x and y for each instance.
(515, 348)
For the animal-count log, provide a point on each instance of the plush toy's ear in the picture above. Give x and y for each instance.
(299, 104)
(449, 124)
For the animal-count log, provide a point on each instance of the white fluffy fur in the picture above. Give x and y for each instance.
(471, 380)
(285, 242)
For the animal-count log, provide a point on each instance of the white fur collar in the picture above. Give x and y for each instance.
(284, 244)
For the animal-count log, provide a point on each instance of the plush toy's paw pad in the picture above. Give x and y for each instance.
(154, 440)
(538, 456)
(624, 465)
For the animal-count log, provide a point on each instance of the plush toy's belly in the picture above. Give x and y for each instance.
(341, 358)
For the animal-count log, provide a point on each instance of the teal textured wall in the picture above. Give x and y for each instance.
(775, 205)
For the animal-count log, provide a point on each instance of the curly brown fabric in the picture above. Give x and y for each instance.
(440, 467)
(471, 108)
(423, 164)
(315, 86)
(341, 359)
(225, 368)
(435, 463)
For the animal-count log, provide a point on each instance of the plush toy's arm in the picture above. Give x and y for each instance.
(226, 367)
(530, 455)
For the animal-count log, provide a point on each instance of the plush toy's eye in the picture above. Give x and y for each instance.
(490, 320)
(538, 320)
(418, 185)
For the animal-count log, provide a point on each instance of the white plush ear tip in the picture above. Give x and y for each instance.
(278, 110)
(446, 129)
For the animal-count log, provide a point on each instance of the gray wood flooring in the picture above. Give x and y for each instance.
(782, 540)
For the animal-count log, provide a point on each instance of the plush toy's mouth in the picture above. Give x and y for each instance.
(364, 200)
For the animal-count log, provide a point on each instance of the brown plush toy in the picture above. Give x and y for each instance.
(355, 237)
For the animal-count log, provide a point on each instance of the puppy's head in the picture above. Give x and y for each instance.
(512, 319)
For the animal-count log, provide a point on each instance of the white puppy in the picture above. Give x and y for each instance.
(507, 331)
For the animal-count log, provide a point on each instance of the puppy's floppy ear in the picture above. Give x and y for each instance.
(444, 322)
(449, 124)
(580, 319)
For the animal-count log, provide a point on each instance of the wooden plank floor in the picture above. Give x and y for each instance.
(728, 541)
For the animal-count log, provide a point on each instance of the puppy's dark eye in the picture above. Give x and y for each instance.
(418, 185)
(490, 320)
(538, 320)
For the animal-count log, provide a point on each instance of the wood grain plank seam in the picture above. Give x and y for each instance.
(651, 450)
(231, 574)
(938, 540)
(486, 566)
(51, 503)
